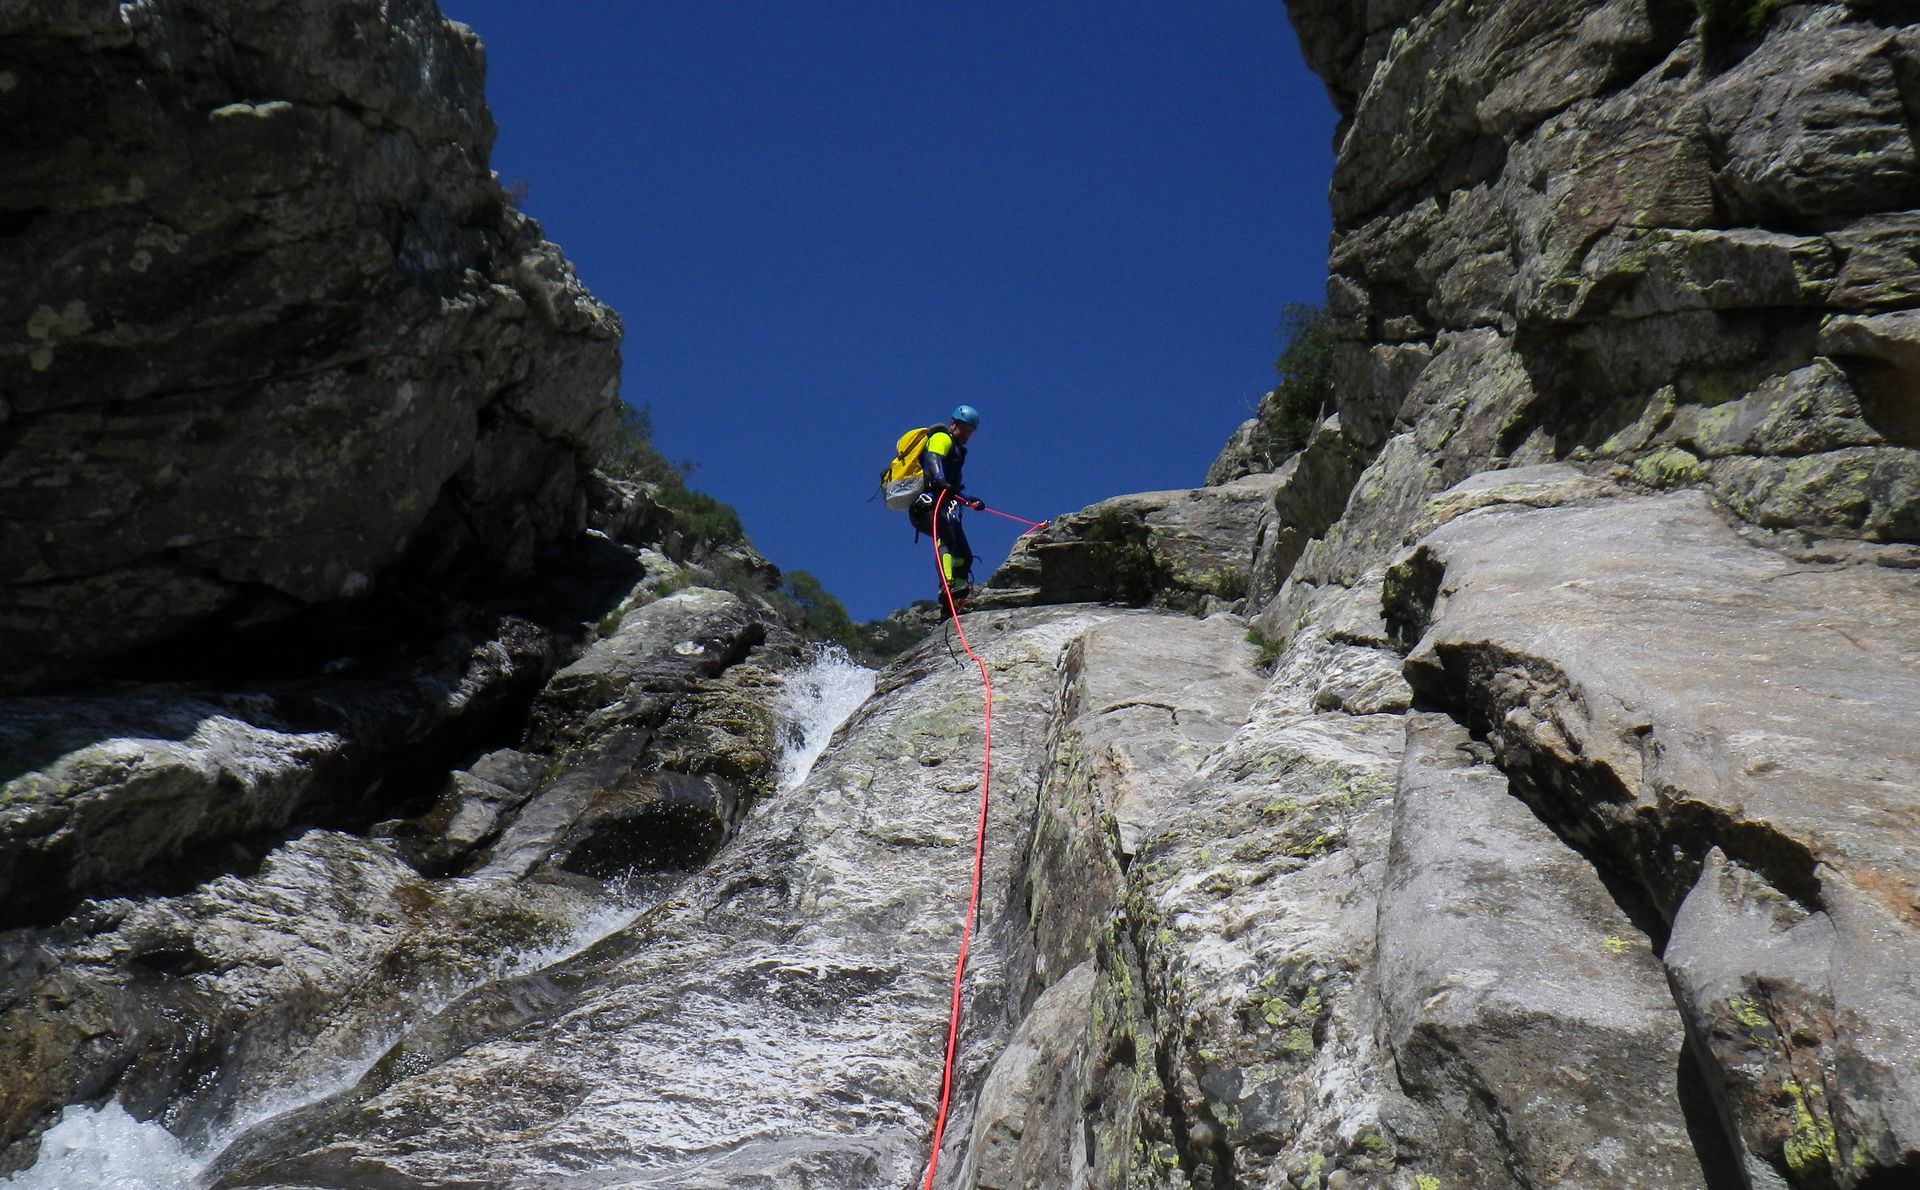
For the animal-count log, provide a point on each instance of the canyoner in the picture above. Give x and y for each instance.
(938, 489)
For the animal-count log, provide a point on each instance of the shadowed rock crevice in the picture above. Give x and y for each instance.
(1708, 1129)
(1906, 1173)
(1517, 995)
(356, 716)
(1652, 682)
(1648, 843)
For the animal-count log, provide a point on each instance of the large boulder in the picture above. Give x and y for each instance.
(654, 761)
(1656, 217)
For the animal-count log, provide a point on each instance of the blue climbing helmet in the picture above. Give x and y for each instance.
(967, 415)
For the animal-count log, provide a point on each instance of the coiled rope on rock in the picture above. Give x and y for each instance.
(979, 853)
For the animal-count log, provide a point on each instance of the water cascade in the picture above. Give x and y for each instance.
(815, 702)
(108, 1147)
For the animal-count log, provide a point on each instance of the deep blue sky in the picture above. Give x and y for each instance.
(826, 223)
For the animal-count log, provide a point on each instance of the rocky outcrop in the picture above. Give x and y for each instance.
(1486, 922)
(1680, 250)
(1676, 710)
(294, 406)
(1617, 906)
(156, 787)
(1679, 254)
(1590, 918)
(269, 326)
(197, 1009)
(1608, 911)
(1182, 549)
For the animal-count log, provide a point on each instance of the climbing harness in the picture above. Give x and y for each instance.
(947, 621)
(979, 858)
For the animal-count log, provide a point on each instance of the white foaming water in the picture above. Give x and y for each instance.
(107, 1149)
(814, 703)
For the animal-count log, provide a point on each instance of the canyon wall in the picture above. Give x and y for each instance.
(1514, 787)
(269, 327)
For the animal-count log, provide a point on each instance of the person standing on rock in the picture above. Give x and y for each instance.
(941, 465)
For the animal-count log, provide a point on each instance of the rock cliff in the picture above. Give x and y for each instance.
(269, 327)
(1571, 842)
(1513, 788)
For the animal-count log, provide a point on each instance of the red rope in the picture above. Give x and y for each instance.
(1033, 526)
(979, 856)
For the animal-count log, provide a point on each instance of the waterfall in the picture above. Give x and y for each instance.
(815, 702)
(108, 1149)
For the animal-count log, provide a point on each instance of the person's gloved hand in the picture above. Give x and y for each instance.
(973, 502)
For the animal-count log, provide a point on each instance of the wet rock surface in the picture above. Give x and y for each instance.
(147, 789)
(808, 964)
(299, 957)
(194, 1009)
(1263, 925)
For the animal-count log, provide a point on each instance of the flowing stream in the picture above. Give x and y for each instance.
(108, 1149)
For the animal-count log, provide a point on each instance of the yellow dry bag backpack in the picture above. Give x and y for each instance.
(902, 479)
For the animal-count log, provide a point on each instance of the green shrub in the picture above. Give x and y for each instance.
(1117, 547)
(883, 640)
(631, 454)
(820, 613)
(701, 518)
(704, 521)
(1305, 392)
(1269, 649)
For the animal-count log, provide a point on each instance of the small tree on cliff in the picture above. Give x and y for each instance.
(1305, 393)
(632, 455)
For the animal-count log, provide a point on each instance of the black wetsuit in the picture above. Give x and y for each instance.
(943, 485)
